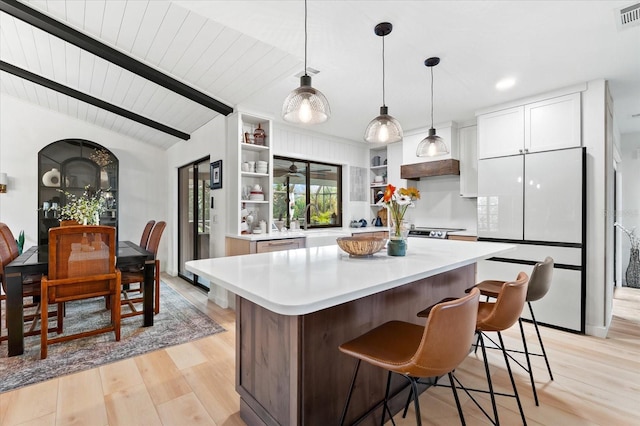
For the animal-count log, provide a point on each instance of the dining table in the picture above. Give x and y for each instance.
(35, 260)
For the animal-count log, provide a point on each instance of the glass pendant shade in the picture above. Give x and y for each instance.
(432, 146)
(306, 105)
(383, 129)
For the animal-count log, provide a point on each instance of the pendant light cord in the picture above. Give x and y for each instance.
(305, 37)
(431, 68)
(383, 102)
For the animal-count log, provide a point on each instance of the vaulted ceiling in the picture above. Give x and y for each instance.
(246, 54)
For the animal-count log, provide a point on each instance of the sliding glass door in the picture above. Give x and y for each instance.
(193, 217)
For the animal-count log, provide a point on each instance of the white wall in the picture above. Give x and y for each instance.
(208, 140)
(26, 128)
(629, 213)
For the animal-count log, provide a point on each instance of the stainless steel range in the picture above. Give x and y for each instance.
(423, 232)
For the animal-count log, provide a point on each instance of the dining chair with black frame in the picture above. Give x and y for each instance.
(82, 265)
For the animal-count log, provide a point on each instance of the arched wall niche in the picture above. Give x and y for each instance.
(73, 166)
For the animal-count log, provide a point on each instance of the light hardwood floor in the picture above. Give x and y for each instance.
(597, 382)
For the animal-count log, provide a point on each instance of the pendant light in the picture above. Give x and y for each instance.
(305, 104)
(432, 145)
(384, 128)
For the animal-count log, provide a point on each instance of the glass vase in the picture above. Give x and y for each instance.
(397, 247)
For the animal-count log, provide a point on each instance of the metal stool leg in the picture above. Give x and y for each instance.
(414, 387)
(455, 396)
(529, 369)
(513, 382)
(544, 353)
(353, 381)
(486, 370)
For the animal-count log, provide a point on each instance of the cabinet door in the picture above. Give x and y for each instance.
(553, 196)
(501, 133)
(468, 161)
(500, 197)
(553, 124)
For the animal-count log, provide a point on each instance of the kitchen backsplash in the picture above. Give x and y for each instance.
(440, 205)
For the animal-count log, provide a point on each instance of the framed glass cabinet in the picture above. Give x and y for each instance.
(74, 166)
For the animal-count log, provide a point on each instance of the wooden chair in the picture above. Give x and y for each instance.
(82, 265)
(30, 283)
(144, 240)
(137, 276)
(414, 351)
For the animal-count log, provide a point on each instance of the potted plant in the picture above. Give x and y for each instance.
(85, 210)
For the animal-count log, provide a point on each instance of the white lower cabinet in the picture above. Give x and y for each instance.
(563, 305)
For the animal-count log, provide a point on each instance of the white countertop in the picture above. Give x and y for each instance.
(337, 232)
(301, 281)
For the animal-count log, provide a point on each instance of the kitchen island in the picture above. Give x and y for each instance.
(293, 309)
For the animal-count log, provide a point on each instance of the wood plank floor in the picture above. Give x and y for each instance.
(597, 382)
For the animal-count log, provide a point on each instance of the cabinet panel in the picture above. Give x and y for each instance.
(553, 124)
(500, 197)
(553, 196)
(501, 133)
(560, 307)
(468, 161)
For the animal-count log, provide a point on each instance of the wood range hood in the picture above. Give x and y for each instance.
(430, 168)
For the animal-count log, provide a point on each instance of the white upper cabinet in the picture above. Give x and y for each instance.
(501, 133)
(544, 125)
(467, 138)
(553, 124)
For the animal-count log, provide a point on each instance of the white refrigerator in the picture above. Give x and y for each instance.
(537, 201)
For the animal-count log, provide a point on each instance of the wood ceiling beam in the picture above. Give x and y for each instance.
(50, 84)
(68, 34)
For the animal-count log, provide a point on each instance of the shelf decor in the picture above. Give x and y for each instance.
(398, 202)
(632, 274)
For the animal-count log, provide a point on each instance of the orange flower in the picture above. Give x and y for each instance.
(388, 193)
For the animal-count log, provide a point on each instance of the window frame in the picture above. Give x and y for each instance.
(307, 165)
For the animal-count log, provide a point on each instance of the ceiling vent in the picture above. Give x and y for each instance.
(629, 16)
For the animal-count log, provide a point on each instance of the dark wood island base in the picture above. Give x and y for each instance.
(289, 370)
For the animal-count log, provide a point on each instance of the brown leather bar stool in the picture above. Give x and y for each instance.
(498, 316)
(414, 351)
(539, 285)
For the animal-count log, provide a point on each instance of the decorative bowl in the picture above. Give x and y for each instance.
(361, 246)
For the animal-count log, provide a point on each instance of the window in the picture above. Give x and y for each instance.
(307, 191)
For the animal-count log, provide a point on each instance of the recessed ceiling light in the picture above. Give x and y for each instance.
(505, 83)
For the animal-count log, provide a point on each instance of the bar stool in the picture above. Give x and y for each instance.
(539, 285)
(414, 351)
(498, 316)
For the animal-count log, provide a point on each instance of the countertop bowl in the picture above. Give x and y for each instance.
(361, 246)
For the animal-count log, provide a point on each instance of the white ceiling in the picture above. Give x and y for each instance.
(245, 53)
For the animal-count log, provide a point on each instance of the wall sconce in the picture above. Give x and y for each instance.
(3, 183)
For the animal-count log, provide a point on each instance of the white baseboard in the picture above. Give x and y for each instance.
(597, 331)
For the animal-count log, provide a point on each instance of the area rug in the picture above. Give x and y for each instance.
(177, 322)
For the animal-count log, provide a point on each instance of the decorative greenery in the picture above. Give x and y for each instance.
(86, 209)
(635, 240)
(398, 202)
(20, 242)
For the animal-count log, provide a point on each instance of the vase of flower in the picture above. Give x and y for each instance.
(397, 202)
(632, 274)
(633, 270)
